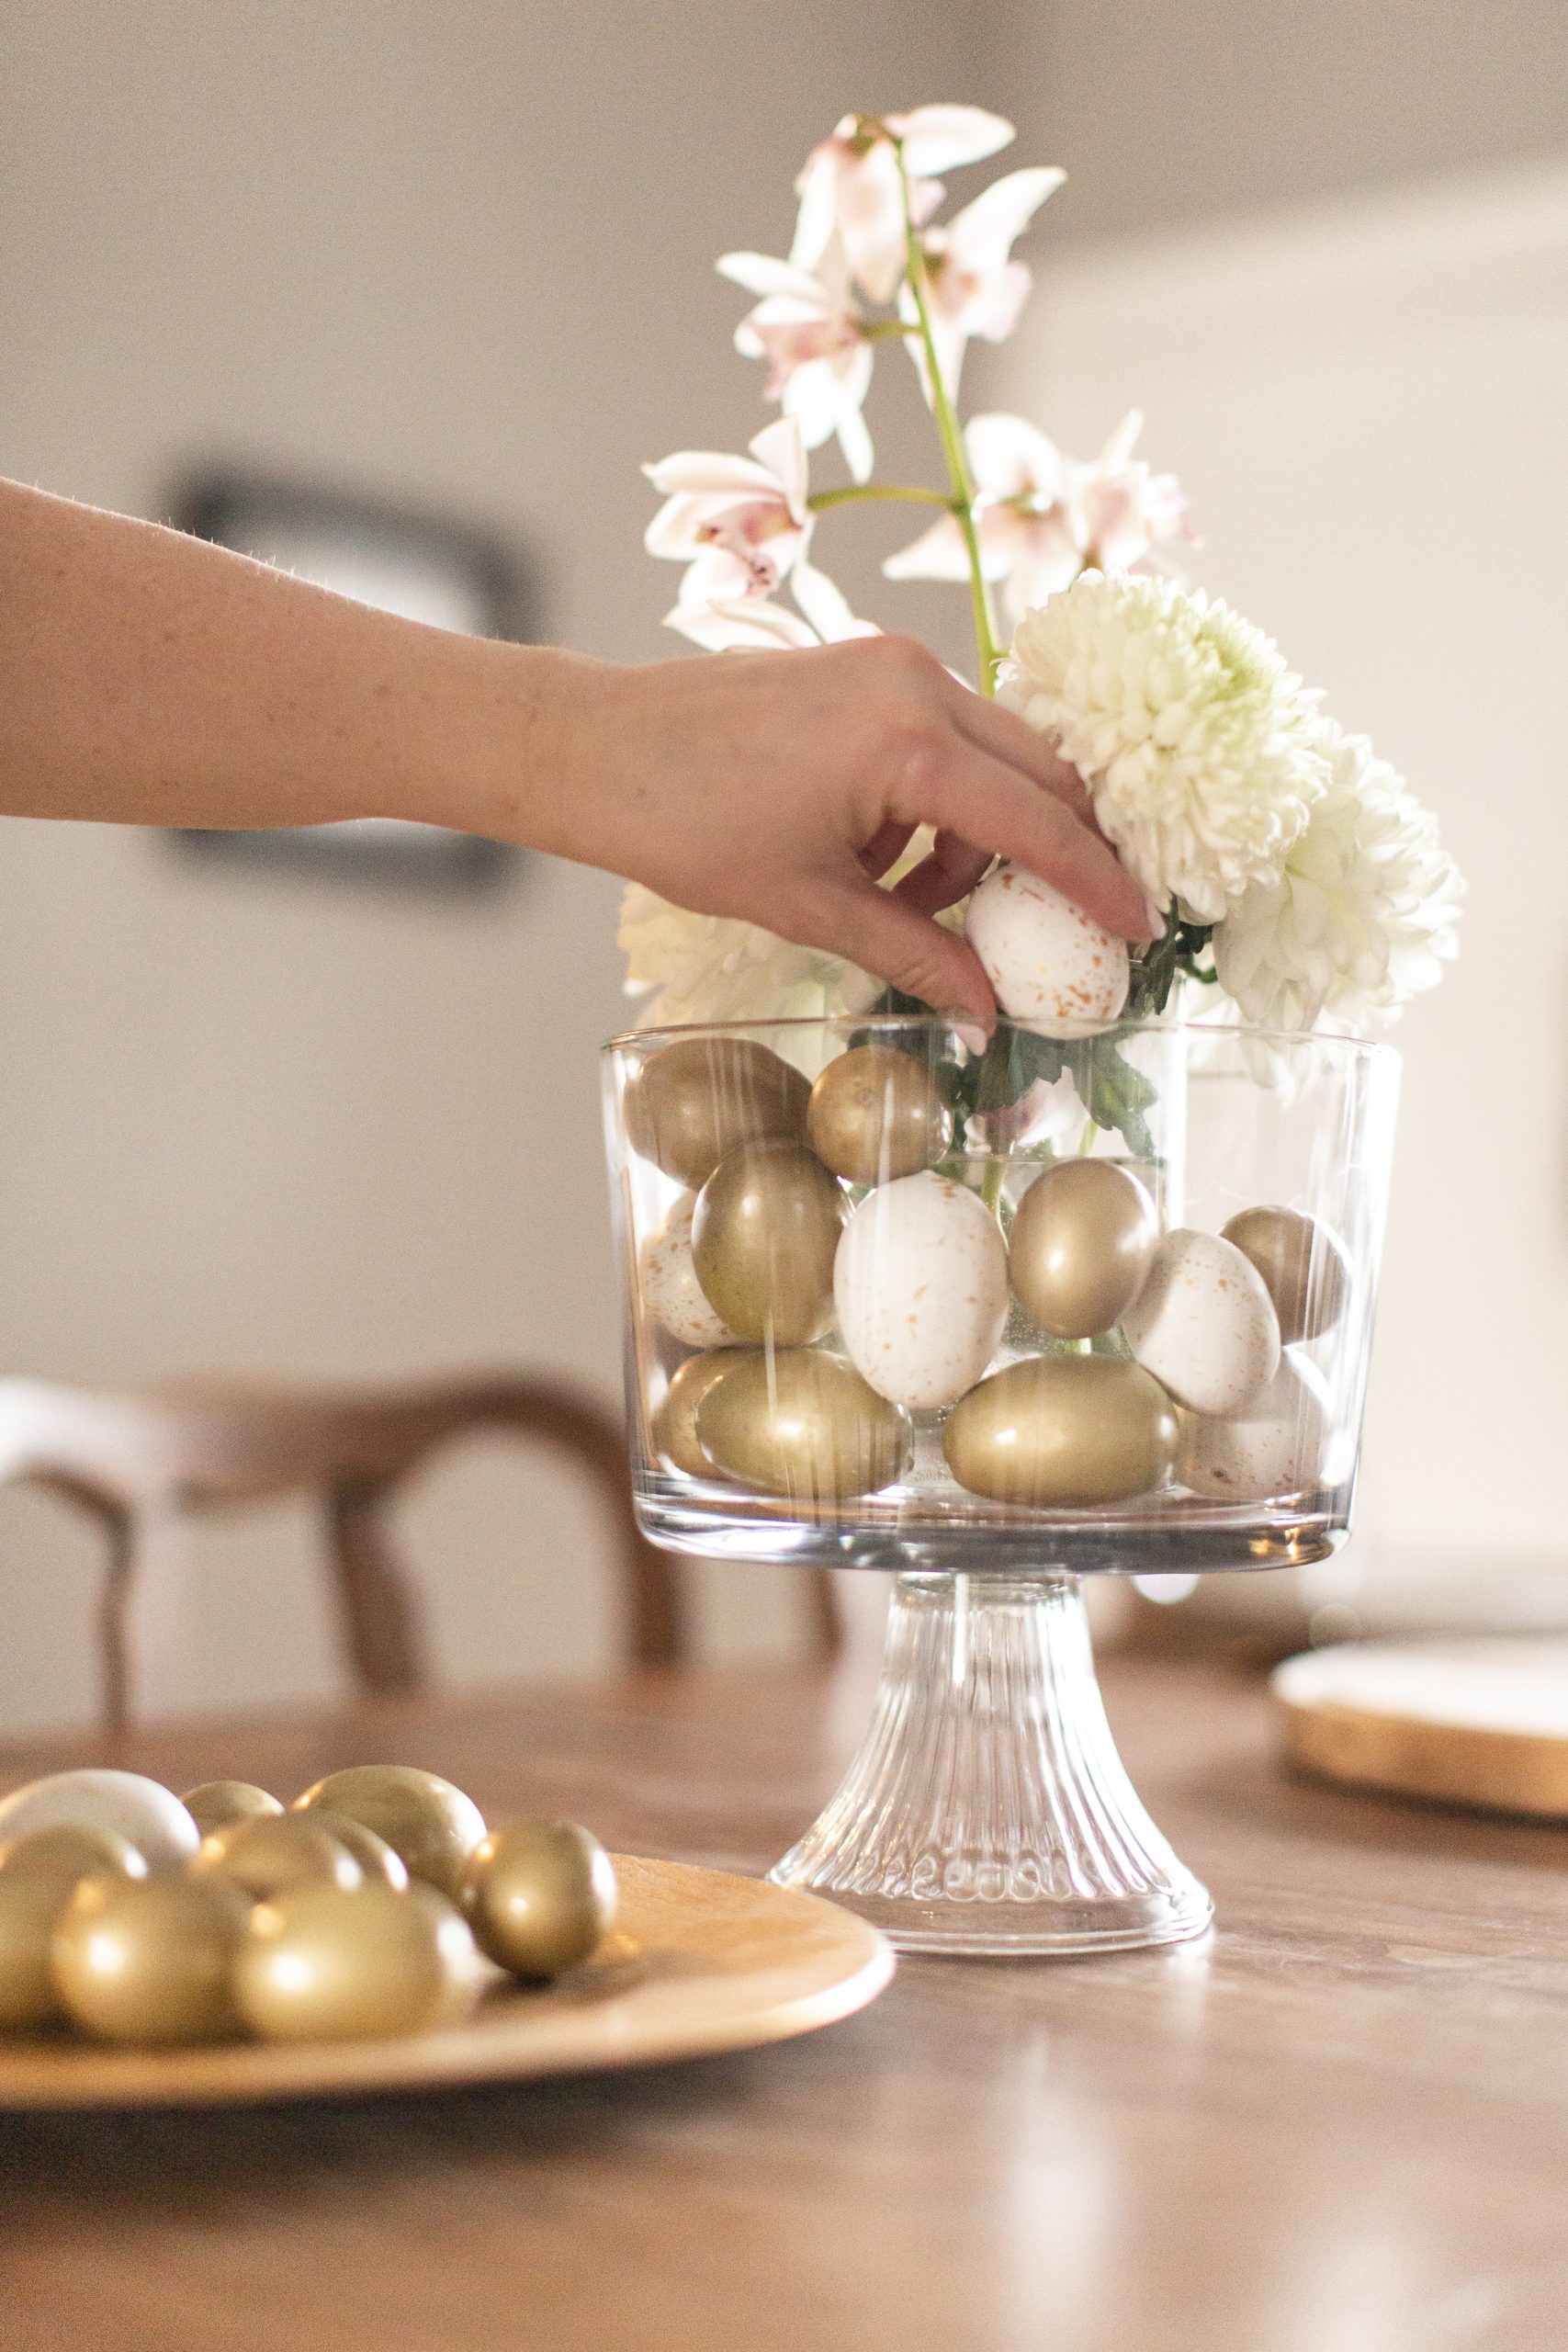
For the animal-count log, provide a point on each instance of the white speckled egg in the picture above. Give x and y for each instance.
(920, 1287)
(145, 1812)
(671, 1290)
(1052, 967)
(1203, 1324)
(1273, 1446)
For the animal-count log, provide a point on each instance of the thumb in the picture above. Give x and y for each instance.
(888, 937)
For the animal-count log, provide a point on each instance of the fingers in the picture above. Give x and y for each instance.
(948, 873)
(886, 847)
(992, 727)
(883, 933)
(990, 805)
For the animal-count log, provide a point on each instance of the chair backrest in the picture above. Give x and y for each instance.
(142, 1458)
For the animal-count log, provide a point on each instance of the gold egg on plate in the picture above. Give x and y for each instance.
(216, 1803)
(691, 1103)
(538, 1896)
(150, 1960)
(31, 1906)
(1080, 1247)
(764, 1238)
(271, 1853)
(877, 1113)
(327, 1963)
(429, 1823)
(1062, 1431)
(1304, 1268)
(376, 1860)
(69, 1851)
(805, 1425)
(674, 1428)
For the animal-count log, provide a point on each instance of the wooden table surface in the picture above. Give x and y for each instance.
(1338, 2125)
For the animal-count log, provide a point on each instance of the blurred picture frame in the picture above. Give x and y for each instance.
(400, 559)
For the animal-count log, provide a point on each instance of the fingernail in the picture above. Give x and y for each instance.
(1156, 917)
(969, 1034)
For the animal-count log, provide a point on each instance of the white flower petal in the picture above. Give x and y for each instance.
(938, 554)
(945, 138)
(981, 235)
(753, 625)
(1012, 458)
(854, 440)
(761, 274)
(709, 473)
(825, 608)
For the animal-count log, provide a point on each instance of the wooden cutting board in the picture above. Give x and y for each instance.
(1480, 1722)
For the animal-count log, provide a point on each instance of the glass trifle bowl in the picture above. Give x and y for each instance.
(994, 1322)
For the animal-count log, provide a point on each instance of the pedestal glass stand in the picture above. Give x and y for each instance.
(987, 1809)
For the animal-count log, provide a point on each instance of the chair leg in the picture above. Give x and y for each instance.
(380, 1619)
(827, 1625)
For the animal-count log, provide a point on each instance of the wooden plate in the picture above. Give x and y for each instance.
(1477, 1722)
(698, 1963)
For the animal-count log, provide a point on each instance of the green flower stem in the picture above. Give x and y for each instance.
(952, 442)
(858, 494)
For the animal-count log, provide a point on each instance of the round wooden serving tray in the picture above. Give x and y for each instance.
(1477, 1722)
(698, 1963)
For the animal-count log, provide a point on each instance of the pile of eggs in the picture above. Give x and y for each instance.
(378, 1904)
(839, 1288)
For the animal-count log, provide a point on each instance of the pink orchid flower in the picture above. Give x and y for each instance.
(757, 626)
(808, 329)
(976, 288)
(850, 186)
(739, 523)
(1042, 518)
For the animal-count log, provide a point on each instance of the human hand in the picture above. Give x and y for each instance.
(780, 787)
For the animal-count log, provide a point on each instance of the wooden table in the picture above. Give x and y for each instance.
(1341, 2125)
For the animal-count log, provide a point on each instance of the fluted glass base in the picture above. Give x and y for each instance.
(987, 1810)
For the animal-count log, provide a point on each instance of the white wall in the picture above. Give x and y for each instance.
(461, 254)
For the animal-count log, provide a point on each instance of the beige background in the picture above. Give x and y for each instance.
(463, 254)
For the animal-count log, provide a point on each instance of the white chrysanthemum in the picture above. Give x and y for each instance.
(1197, 743)
(710, 967)
(1362, 918)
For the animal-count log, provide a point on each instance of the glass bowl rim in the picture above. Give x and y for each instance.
(1370, 1049)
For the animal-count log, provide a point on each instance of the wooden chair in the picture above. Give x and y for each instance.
(140, 1459)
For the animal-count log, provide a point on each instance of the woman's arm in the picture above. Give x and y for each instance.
(149, 678)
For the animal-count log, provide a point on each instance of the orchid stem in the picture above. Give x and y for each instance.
(857, 494)
(952, 442)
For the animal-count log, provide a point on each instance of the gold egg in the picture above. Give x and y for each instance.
(272, 1852)
(216, 1803)
(538, 1896)
(431, 1824)
(1304, 1268)
(805, 1425)
(469, 1974)
(691, 1103)
(376, 1860)
(877, 1114)
(1062, 1431)
(149, 1960)
(763, 1234)
(1080, 1247)
(31, 1906)
(69, 1851)
(329, 1963)
(674, 1428)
